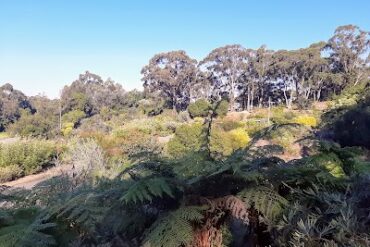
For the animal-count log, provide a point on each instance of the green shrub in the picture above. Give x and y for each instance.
(253, 126)
(199, 108)
(281, 116)
(222, 108)
(34, 125)
(221, 144)
(29, 155)
(10, 172)
(74, 117)
(67, 128)
(188, 138)
(229, 124)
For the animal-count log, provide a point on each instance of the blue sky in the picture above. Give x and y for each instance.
(47, 44)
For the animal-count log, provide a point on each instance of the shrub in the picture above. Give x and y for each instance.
(30, 156)
(74, 117)
(34, 125)
(87, 158)
(183, 117)
(224, 143)
(253, 126)
(222, 108)
(221, 144)
(188, 138)
(67, 129)
(239, 138)
(10, 172)
(306, 120)
(228, 124)
(281, 116)
(199, 108)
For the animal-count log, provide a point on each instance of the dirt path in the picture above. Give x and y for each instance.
(9, 140)
(30, 181)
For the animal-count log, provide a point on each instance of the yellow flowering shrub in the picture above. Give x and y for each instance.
(239, 138)
(306, 120)
(224, 143)
(67, 128)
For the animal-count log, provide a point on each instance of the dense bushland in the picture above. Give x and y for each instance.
(244, 148)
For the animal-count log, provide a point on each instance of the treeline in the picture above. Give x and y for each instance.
(247, 78)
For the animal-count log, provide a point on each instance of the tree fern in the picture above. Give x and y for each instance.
(268, 202)
(148, 188)
(83, 211)
(175, 229)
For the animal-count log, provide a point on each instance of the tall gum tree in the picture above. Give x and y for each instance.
(227, 66)
(171, 74)
(349, 50)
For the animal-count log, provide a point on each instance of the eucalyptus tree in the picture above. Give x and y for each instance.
(349, 50)
(310, 68)
(260, 62)
(90, 93)
(226, 66)
(12, 102)
(283, 72)
(171, 74)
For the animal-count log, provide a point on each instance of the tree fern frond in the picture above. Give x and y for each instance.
(268, 202)
(27, 235)
(83, 210)
(148, 189)
(175, 229)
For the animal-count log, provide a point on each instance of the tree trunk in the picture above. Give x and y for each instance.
(248, 99)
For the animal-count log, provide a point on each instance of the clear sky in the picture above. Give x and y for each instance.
(47, 44)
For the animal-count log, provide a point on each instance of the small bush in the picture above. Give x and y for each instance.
(67, 129)
(228, 124)
(188, 138)
(9, 173)
(224, 143)
(306, 120)
(239, 138)
(199, 108)
(74, 117)
(254, 126)
(222, 108)
(34, 125)
(87, 158)
(282, 116)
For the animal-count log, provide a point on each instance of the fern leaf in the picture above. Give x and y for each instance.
(147, 190)
(27, 235)
(268, 202)
(175, 229)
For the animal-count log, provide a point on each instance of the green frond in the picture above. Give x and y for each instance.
(83, 210)
(24, 234)
(147, 189)
(175, 229)
(268, 202)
